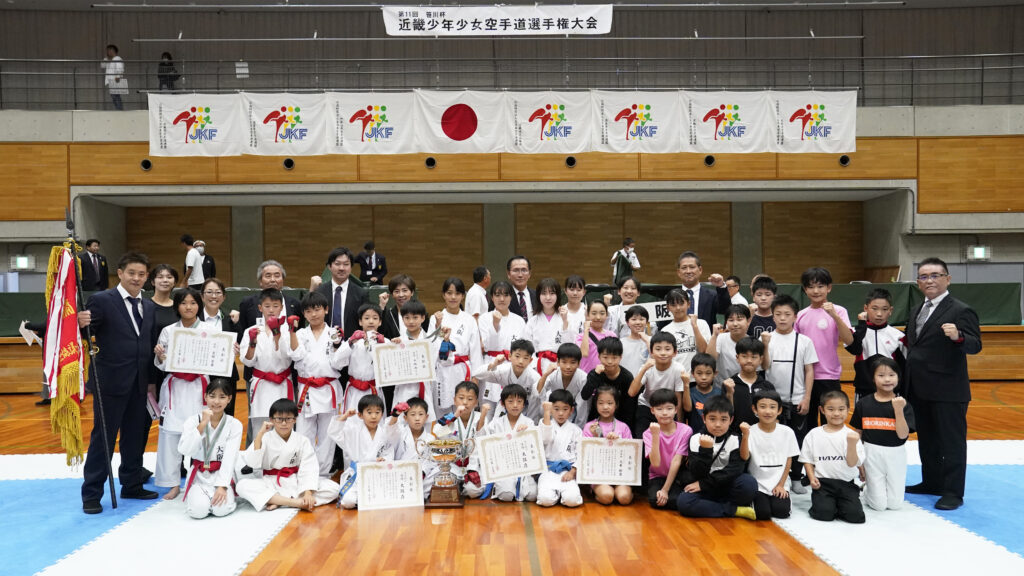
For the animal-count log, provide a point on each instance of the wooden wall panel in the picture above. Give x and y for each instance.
(36, 186)
(978, 174)
(271, 170)
(156, 231)
(663, 231)
(689, 166)
(430, 243)
(589, 166)
(799, 235)
(563, 239)
(875, 158)
(21, 367)
(411, 168)
(301, 237)
(114, 164)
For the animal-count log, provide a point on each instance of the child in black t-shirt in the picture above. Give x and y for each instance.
(762, 291)
(609, 373)
(740, 388)
(885, 420)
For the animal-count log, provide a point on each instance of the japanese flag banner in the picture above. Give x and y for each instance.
(196, 125)
(285, 124)
(372, 122)
(637, 121)
(729, 121)
(549, 122)
(815, 121)
(461, 122)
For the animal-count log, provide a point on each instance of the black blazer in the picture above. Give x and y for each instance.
(90, 282)
(357, 296)
(366, 271)
(124, 357)
(209, 267)
(713, 301)
(513, 306)
(936, 367)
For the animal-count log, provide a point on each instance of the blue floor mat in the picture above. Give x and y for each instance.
(43, 521)
(992, 508)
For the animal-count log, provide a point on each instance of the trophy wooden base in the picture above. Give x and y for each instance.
(444, 497)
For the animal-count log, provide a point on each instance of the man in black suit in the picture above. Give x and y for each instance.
(372, 266)
(706, 302)
(123, 324)
(941, 332)
(345, 297)
(95, 274)
(519, 270)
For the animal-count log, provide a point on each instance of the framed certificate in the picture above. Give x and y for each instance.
(511, 455)
(393, 484)
(200, 351)
(604, 461)
(405, 363)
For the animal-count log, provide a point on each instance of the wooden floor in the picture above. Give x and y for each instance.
(492, 538)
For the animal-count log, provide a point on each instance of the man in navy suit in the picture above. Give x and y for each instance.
(518, 269)
(123, 324)
(345, 297)
(941, 332)
(706, 302)
(372, 266)
(95, 275)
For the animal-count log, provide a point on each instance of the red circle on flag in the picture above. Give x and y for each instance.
(459, 122)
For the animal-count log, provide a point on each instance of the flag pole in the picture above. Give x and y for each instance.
(93, 350)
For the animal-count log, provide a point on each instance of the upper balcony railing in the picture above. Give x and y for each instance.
(880, 81)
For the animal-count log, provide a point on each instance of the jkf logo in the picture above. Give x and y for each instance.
(197, 120)
(726, 116)
(552, 122)
(638, 122)
(373, 119)
(286, 121)
(812, 122)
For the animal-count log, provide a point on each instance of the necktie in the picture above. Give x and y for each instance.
(922, 317)
(690, 294)
(336, 309)
(96, 264)
(136, 313)
(522, 305)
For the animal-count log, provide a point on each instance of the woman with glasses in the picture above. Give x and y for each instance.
(213, 298)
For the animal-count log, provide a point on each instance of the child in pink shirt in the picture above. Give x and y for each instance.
(826, 324)
(606, 426)
(593, 332)
(672, 439)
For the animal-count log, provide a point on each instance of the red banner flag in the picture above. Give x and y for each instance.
(65, 362)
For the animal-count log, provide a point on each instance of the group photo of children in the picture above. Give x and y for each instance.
(735, 415)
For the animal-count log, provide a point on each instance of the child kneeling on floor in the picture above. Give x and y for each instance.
(284, 464)
(831, 455)
(210, 439)
(716, 485)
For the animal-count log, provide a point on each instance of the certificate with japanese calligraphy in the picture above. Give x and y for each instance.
(201, 351)
(406, 363)
(395, 484)
(510, 455)
(604, 461)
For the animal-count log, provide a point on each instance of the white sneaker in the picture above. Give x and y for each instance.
(797, 488)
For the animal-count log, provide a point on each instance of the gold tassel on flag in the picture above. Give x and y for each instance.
(65, 352)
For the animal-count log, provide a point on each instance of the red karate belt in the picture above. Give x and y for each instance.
(317, 383)
(188, 378)
(496, 353)
(276, 378)
(464, 360)
(200, 466)
(363, 385)
(548, 354)
(282, 472)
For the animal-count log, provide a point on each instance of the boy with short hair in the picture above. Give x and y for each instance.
(464, 422)
(716, 485)
(659, 372)
(514, 399)
(723, 349)
(413, 316)
(413, 443)
(357, 355)
(498, 374)
(263, 351)
(362, 440)
(701, 390)
(286, 465)
(561, 448)
(565, 374)
(873, 335)
(476, 296)
(666, 444)
(740, 388)
(762, 290)
(636, 347)
(826, 324)
(610, 373)
(832, 454)
(769, 449)
(792, 374)
(691, 333)
(312, 349)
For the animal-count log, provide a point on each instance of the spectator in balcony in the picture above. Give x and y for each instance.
(166, 72)
(114, 78)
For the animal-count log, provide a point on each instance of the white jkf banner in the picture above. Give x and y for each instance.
(497, 20)
(491, 122)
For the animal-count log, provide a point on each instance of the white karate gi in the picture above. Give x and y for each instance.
(263, 393)
(403, 392)
(360, 446)
(221, 447)
(315, 358)
(358, 356)
(278, 453)
(466, 338)
(493, 382)
(579, 379)
(523, 488)
(409, 449)
(561, 442)
(547, 335)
